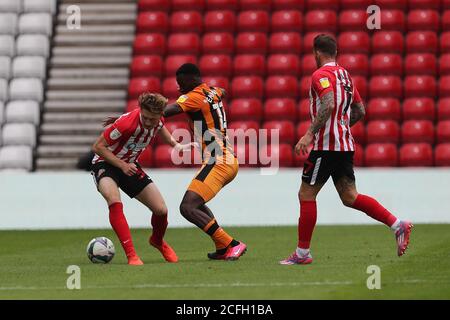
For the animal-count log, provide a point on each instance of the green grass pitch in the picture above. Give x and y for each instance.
(33, 265)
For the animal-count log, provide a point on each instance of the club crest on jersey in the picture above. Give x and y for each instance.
(324, 82)
(115, 134)
(182, 98)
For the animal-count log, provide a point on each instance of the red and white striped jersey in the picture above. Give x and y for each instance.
(335, 135)
(127, 137)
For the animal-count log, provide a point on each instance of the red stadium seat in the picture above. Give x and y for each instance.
(150, 43)
(247, 154)
(305, 84)
(381, 155)
(140, 85)
(445, 42)
(443, 131)
(322, 5)
(216, 65)
(444, 109)
(421, 64)
(354, 42)
(243, 125)
(170, 88)
(172, 63)
(444, 86)
(352, 20)
(183, 43)
(251, 43)
(221, 82)
(420, 86)
(162, 157)
(281, 87)
(387, 42)
(283, 64)
(286, 21)
(445, 4)
(146, 157)
(285, 42)
(392, 4)
(355, 4)
(423, 20)
(186, 5)
(358, 158)
(418, 131)
(393, 20)
(385, 86)
(288, 5)
(245, 110)
(359, 133)
(302, 128)
(444, 64)
(356, 64)
(303, 111)
(360, 83)
(383, 131)
(285, 129)
(446, 20)
(154, 5)
(280, 109)
(308, 40)
(386, 64)
(442, 155)
(321, 20)
(142, 66)
(283, 153)
(247, 87)
(218, 43)
(416, 155)
(220, 21)
(249, 64)
(383, 109)
(422, 41)
(419, 109)
(424, 4)
(232, 5)
(131, 105)
(152, 22)
(189, 21)
(253, 21)
(308, 64)
(255, 5)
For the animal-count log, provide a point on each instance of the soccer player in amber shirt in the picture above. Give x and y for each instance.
(204, 106)
(115, 166)
(335, 106)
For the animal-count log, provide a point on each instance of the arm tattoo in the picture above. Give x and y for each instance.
(357, 113)
(324, 113)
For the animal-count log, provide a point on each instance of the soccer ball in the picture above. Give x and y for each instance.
(100, 250)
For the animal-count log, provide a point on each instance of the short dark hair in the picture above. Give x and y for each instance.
(325, 44)
(188, 69)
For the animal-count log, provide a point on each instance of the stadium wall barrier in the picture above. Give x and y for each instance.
(69, 200)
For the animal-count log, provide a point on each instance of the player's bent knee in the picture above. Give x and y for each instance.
(161, 211)
(348, 199)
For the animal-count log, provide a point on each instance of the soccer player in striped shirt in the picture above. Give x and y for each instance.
(115, 166)
(335, 106)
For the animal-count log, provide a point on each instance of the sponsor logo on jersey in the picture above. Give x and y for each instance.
(324, 82)
(182, 98)
(115, 134)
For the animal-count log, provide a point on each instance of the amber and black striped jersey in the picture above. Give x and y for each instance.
(204, 106)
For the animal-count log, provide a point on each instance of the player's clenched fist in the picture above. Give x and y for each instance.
(303, 144)
(129, 168)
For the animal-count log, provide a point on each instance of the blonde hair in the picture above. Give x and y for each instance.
(153, 102)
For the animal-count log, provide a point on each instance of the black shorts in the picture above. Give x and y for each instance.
(320, 165)
(131, 185)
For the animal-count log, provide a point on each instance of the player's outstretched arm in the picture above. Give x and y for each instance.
(324, 113)
(100, 147)
(357, 112)
(171, 110)
(170, 140)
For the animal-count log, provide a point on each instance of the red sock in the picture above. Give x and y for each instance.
(373, 209)
(306, 223)
(120, 226)
(159, 224)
